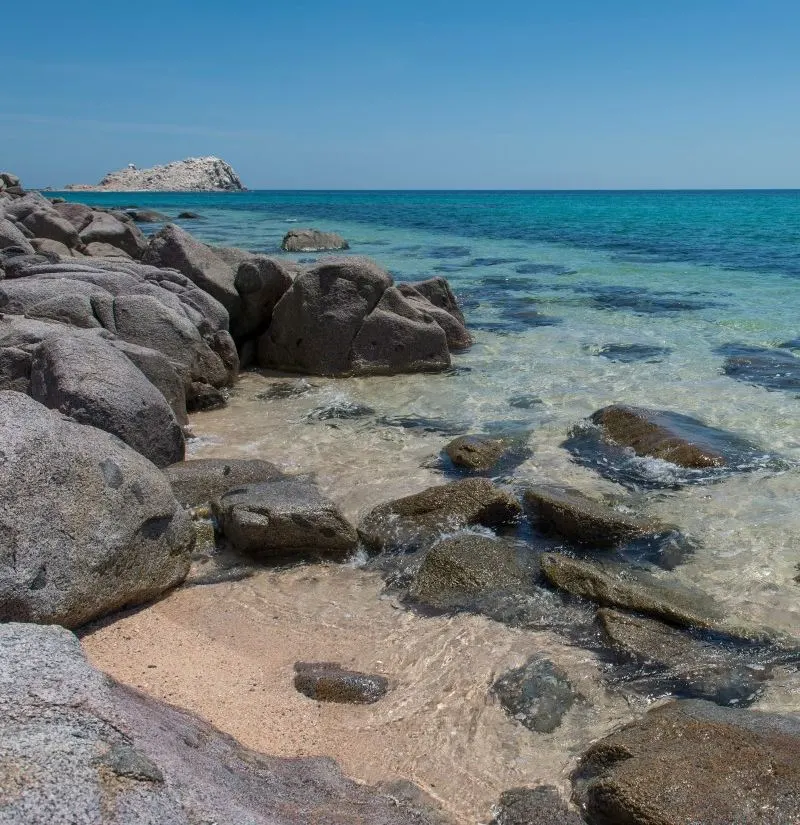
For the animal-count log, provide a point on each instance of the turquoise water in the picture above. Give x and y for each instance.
(576, 300)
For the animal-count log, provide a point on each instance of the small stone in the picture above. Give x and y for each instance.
(329, 682)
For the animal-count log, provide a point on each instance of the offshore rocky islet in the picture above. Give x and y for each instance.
(91, 313)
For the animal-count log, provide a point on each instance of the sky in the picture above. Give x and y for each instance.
(507, 94)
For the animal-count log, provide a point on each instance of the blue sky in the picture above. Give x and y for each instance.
(505, 94)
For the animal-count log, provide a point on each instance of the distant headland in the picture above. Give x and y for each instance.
(209, 174)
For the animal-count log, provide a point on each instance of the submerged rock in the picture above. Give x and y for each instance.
(284, 517)
(88, 525)
(691, 761)
(476, 453)
(286, 389)
(630, 353)
(773, 369)
(616, 585)
(534, 806)
(330, 682)
(537, 695)
(312, 240)
(80, 748)
(201, 480)
(577, 518)
(415, 521)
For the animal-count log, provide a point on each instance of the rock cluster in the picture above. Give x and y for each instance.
(208, 174)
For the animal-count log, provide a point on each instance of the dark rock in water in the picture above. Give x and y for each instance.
(630, 353)
(642, 301)
(416, 521)
(147, 216)
(286, 389)
(329, 682)
(339, 408)
(525, 402)
(537, 695)
(88, 525)
(616, 585)
(529, 316)
(493, 261)
(189, 216)
(81, 748)
(772, 369)
(202, 397)
(201, 480)
(475, 452)
(312, 240)
(580, 519)
(534, 806)
(443, 252)
(686, 666)
(617, 438)
(440, 426)
(692, 761)
(283, 517)
(459, 572)
(793, 344)
(543, 269)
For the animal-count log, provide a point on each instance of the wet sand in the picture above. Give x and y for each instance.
(227, 652)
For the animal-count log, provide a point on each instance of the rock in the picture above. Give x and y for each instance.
(577, 518)
(106, 229)
(686, 665)
(96, 249)
(329, 682)
(694, 762)
(8, 179)
(315, 322)
(651, 433)
(56, 249)
(80, 748)
(175, 248)
(768, 368)
(534, 806)
(312, 240)
(616, 585)
(475, 452)
(96, 384)
(286, 389)
(438, 292)
(396, 337)
(202, 397)
(416, 521)
(458, 338)
(201, 480)
(78, 214)
(89, 525)
(537, 695)
(147, 216)
(11, 235)
(261, 282)
(461, 571)
(207, 174)
(47, 223)
(189, 216)
(337, 409)
(283, 517)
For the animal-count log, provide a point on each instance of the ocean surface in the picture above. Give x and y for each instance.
(576, 300)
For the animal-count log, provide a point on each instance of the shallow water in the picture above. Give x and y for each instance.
(552, 283)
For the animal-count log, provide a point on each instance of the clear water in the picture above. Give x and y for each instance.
(548, 281)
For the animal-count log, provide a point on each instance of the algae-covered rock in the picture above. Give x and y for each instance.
(330, 682)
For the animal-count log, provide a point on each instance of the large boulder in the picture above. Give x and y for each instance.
(47, 223)
(312, 240)
(438, 292)
(106, 229)
(284, 517)
(458, 338)
(616, 585)
(201, 480)
(94, 383)
(78, 214)
(77, 747)
(694, 762)
(175, 248)
(261, 282)
(12, 235)
(89, 525)
(417, 520)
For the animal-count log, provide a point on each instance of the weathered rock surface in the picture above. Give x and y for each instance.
(284, 517)
(417, 520)
(693, 762)
(88, 525)
(616, 585)
(580, 519)
(449, 319)
(147, 216)
(77, 747)
(12, 235)
(537, 695)
(330, 682)
(344, 317)
(106, 229)
(207, 174)
(96, 384)
(461, 571)
(202, 480)
(686, 665)
(312, 240)
(773, 369)
(260, 282)
(439, 293)
(534, 806)
(476, 453)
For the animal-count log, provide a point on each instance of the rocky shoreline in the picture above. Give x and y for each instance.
(108, 339)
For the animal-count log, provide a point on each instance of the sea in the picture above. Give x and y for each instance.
(681, 301)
